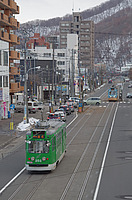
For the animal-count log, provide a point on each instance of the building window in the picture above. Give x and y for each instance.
(61, 54)
(5, 54)
(61, 62)
(63, 36)
(0, 81)
(0, 58)
(5, 81)
(47, 55)
(63, 42)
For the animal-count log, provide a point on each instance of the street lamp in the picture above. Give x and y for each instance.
(25, 89)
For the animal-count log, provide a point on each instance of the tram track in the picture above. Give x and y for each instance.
(70, 182)
(42, 178)
(35, 186)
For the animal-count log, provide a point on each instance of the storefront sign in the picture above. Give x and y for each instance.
(1, 94)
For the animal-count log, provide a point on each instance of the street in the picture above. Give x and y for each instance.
(97, 165)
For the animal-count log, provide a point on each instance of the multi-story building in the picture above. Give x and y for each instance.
(36, 40)
(9, 69)
(85, 31)
(65, 66)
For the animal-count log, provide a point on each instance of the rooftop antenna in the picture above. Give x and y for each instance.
(73, 7)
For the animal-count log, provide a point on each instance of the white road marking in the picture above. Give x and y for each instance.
(105, 154)
(72, 120)
(12, 180)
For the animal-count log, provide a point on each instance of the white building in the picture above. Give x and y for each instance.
(66, 60)
(4, 79)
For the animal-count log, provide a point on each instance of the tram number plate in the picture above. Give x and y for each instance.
(38, 160)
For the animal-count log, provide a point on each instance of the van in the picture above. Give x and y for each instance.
(92, 101)
(32, 107)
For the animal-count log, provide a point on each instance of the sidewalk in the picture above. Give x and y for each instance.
(10, 139)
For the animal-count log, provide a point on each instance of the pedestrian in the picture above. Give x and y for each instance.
(64, 101)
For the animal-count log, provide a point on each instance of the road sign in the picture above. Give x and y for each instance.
(12, 106)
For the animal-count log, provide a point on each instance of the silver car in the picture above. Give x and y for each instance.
(92, 101)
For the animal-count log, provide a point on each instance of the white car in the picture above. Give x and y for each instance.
(76, 99)
(62, 114)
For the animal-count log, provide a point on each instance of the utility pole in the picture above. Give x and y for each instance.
(72, 75)
(53, 78)
(25, 89)
(34, 74)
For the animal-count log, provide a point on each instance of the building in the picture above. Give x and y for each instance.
(9, 69)
(4, 79)
(62, 65)
(85, 31)
(36, 40)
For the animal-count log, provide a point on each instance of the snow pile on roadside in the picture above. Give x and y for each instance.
(25, 127)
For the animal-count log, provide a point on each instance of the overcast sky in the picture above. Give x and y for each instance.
(46, 9)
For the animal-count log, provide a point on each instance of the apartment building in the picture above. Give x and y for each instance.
(9, 68)
(85, 31)
(65, 66)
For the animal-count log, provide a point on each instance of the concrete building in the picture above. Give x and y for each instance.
(4, 79)
(65, 66)
(85, 31)
(9, 70)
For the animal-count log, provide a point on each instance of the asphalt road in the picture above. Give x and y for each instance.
(82, 174)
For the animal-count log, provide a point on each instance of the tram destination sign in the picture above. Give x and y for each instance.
(39, 134)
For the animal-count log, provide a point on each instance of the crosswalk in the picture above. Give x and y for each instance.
(122, 104)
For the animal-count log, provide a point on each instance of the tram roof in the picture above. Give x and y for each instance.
(50, 126)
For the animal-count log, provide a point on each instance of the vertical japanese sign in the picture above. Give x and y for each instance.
(4, 106)
(1, 94)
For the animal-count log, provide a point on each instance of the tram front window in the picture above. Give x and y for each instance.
(38, 147)
(113, 93)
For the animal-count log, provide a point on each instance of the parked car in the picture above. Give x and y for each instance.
(62, 114)
(129, 95)
(56, 116)
(32, 107)
(66, 108)
(92, 101)
(40, 105)
(19, 107)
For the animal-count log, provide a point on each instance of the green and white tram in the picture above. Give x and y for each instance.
(45, 145)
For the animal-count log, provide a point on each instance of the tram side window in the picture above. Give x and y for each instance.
(64, 131)
(58, 138)
(53, 144)
(38, 147)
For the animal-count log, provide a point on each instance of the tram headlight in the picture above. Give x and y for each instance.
(43, 159)
(32, 158)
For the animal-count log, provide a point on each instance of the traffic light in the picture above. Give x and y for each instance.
(83, 78)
